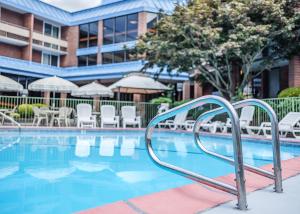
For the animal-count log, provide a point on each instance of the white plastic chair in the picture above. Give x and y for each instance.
(246, 118)
(178, 122)
(85, 117)
(108, 116)
(129, 117)
(289, 124)
(163, 107)
(39, 116)
(63, 116)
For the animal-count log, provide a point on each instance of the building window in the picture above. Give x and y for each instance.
(87, 60)
(152, 19)
(49, 59)
(51, 30)
(120, 29)
(88, 35)
(117, 57)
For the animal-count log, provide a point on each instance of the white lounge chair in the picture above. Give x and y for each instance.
(212, 126)
(129, 117)
(246, 118)
(289, 124)
(108, 116)
(179, 122)
(85, 119)
(163, 107)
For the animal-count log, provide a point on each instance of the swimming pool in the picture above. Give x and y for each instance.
(69, 171)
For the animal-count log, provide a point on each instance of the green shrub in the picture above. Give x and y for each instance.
(178, 103)
(25, 110)
(161, 100)
(289, 92)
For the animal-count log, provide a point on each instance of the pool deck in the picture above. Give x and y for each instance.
(197, 198)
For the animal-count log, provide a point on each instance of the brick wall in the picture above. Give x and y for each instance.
(28, 22)
(142, 24)
(10, 51)
(12, 17)
(294, 72)
(37, 56)
(38, 25)
(71, 34)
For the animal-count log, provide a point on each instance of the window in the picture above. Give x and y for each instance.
(117, 57)
(120, 29)
(87, 60)
(152, 19)
(49, 59)
(51, 30)
(88, 35)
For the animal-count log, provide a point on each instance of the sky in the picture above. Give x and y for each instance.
(74, 5)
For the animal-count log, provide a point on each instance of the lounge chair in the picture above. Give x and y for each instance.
(246, 118)
(163, 107)
(212, 126)
(63, 117)
(108, 116)
(39, 116)
(179, 122)
(129, 117)
(85, 119)
(289, 124)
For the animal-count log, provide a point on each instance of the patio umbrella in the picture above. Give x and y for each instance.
(138, 84)
(9, 85)
(94, 90)
(52, 84)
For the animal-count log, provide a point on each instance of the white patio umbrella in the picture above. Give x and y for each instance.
(93, 89)
(138, 84)
(9, 85)
(52, 84)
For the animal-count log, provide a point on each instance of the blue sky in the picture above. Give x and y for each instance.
(74, 5)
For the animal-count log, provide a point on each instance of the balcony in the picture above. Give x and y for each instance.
(14, 34)
(47, 43)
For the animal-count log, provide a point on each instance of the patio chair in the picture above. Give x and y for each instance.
(85, 119)
(212, 126)
(289, 124)
(163, 107)
(129, 117)
(108, 116)
(39, 116)
(179, 122)
(246, 118)
(63, 117)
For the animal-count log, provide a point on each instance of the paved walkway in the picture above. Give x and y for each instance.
(267, 202)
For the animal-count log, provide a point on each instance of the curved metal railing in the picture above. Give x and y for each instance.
(240, 189)
(10, 119)
(277, 171)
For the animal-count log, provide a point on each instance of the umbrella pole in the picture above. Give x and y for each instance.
(53, 103)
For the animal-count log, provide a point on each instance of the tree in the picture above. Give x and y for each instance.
(216, 40)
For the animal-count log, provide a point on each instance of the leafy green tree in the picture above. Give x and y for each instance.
(219, 40)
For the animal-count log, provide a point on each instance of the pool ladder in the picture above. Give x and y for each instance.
(239, 190)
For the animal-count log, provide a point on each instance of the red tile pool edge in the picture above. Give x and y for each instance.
(192, 198)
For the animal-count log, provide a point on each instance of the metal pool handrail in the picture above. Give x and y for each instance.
(11, 120)
(240, 189)
(277, 171)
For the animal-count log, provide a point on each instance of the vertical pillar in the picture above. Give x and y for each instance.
(47, 98)
(198, 90)
(100, 41)
(28, 23)
(138, 98)
(294, 72)
(186, 92)
(142, 23)
(96, 104)
(63, 97)
(71, 34)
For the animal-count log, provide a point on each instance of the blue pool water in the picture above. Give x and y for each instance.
(65, 172)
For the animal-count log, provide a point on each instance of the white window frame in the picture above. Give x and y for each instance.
(51, 54)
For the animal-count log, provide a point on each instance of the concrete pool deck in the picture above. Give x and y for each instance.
(197, 198)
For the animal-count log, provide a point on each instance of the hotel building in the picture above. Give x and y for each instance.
(39, 40)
